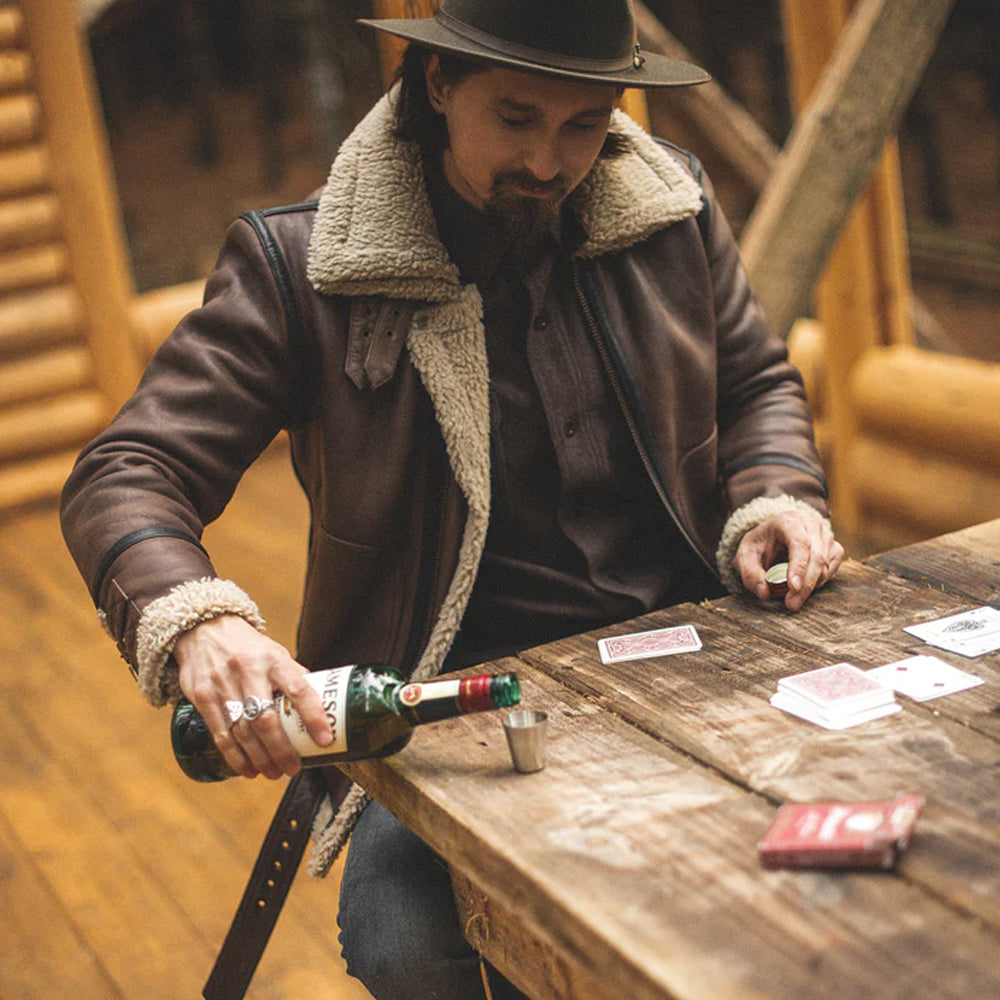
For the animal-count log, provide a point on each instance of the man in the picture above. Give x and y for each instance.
(529, 393)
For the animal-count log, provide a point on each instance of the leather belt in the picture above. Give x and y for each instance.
(270, 880)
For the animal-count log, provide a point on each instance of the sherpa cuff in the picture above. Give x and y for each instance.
(331, 830)
(168, 617)
(744, 519)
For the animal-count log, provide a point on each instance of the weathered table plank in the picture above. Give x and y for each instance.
(964, 562)
(859, 618)
(712, 704)
(637, 866)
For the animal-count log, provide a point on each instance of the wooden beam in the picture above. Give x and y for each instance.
(727, 127)
(81, 176)
(391, 48)
(833, 147)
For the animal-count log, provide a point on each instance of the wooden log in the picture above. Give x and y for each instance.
(82, 179)
(15, 70)
(45, 374)
(154, 314)
(390, 48)
(955, 258)
(20, 119)
(24, 171)
(927, 493)
(39, 319)
(728, 128)
(925, 401)
(11, 26)
(833, 148)
(51, 425)
(21, 269)
(32, 480)
(24, 221)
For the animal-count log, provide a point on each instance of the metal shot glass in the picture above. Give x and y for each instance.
(525, 731)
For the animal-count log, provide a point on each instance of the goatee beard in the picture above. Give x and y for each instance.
(526, 222)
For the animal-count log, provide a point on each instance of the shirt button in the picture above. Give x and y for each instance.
(570, 428)
(542, 321)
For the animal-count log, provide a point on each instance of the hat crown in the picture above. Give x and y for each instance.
(596, 30)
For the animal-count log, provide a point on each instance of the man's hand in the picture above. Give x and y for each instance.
(227, 659)
(814, 555)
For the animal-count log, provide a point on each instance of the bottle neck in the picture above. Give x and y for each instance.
(430, 701)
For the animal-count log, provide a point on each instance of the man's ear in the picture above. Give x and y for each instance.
(434, 81)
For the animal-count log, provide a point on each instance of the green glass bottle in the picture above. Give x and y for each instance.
(372, 711)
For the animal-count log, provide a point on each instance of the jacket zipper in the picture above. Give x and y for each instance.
(647, 462)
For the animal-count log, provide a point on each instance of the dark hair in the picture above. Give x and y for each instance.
(416, 120)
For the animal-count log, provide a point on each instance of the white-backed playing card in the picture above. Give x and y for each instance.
(923, 677)
(970, 633)
(643, 645)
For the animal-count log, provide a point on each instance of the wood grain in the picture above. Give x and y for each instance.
(638, 866)
(965, 562)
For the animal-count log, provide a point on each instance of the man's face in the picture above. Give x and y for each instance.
(519, 143)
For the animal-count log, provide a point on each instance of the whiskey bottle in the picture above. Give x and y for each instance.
(372, 710)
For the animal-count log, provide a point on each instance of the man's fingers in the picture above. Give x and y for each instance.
(305, 699)
(230, 749)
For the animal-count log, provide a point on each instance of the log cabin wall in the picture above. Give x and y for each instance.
(67, 356)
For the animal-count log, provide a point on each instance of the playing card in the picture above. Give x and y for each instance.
(834, 720)
(840, 688)
(970, 633)
(642, 645)
(923, 677)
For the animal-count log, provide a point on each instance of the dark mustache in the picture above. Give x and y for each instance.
(529, 182)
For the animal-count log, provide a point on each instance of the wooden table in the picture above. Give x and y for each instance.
(627, 869)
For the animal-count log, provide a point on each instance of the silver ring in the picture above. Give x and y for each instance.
(253, 707)
(234, 711)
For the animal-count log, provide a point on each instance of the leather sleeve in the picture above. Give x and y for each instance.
(766, 445)
(213, 396)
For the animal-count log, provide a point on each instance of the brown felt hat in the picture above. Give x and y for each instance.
(592, 40)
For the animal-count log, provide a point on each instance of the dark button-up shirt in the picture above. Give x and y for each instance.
(578, 537)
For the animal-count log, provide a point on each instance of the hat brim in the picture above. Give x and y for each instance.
(655, 70)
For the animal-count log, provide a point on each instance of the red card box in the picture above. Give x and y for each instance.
(840, 834)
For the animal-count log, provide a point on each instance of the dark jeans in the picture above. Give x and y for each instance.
(399, 926)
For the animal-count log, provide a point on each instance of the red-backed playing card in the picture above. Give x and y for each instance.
(642, 645)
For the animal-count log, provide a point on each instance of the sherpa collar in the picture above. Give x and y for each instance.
(375, 233)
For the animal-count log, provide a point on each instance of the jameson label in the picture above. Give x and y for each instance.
(331, 686)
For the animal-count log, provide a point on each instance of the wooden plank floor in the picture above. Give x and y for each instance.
(118, 875)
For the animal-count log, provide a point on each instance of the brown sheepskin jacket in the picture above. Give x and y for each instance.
(345, 322)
